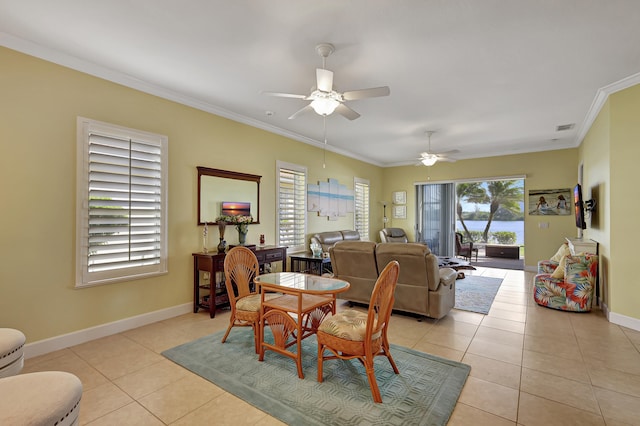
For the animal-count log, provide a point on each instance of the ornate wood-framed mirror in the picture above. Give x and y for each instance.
(216, 187)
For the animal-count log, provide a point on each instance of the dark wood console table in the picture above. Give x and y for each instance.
(211, 266)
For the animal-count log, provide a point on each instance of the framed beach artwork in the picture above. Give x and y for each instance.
(331, 199)
(550, 202)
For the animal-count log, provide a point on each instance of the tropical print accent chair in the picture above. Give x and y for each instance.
(570, 287)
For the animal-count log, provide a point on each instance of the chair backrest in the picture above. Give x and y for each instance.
(458, 241)
(462, 248)
(240, 268)
(351, 259)
(381, 303)
(393, 235)
(328, 239)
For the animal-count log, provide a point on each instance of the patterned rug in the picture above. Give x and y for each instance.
(424, 393)
(476, 293)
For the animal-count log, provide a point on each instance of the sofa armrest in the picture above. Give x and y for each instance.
(447, 276)
(547, 266)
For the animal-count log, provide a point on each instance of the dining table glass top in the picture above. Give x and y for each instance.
(304, 282)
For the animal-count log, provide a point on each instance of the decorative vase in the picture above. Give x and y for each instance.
(221, 227)
(222, 246)
(242, 236)
(205, 233)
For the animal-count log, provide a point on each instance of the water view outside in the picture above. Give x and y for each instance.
(516, 226)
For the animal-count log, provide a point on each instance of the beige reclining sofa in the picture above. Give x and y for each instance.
(422, 287)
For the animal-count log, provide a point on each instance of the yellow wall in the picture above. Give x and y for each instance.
(624, 202)
(543, 170)
(595, 157)
(38, 108)
(609, 153)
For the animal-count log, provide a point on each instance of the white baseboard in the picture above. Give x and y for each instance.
(623, 320)
(81, 336)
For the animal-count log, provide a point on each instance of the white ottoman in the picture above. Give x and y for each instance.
(11, 351)
(43, 398)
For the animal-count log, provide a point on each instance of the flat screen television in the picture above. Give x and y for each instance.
(236, 208)
(579, 206)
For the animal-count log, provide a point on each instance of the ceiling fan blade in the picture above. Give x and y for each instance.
(283, 95)
(347, 112)
(324, 80)
(301, 111)
(374, 92)
(452, 151)
(450, 160)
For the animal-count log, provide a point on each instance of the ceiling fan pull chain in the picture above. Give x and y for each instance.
(324, 149)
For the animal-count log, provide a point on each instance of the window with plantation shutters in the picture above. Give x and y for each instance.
(122, 198)
(292, 206)
(361, 207)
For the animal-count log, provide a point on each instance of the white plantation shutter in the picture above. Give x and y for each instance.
(292, 206)
(123, 210)
(361, 207)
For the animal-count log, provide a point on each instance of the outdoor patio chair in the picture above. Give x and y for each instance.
(465, 249)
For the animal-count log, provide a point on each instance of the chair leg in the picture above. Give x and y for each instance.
(231, 322)
(256, 336)
(387, 352)
(371, 376)
(320, 361)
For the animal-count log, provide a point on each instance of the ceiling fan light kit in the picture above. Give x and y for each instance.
(324, 99)
(324, 106)
(429, 159)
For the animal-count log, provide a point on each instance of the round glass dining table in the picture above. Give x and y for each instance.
(310, 298)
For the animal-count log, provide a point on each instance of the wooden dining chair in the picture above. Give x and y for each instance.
(353, 334)
(240, 269)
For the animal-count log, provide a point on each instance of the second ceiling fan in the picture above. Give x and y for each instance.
(430, 158)
(324, 99)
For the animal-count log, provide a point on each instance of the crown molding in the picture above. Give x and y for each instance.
(600, 99)
(51, 55)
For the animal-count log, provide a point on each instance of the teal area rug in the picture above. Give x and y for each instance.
(476, 293)
(424, 393)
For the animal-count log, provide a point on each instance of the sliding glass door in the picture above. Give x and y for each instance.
(436, 217)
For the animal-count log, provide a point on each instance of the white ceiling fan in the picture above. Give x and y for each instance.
(430, 158)
(325, 99)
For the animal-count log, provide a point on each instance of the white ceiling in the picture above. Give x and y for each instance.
(491, 77)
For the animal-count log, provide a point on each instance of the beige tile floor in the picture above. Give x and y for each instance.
(529, 366)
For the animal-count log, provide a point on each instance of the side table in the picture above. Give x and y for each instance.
(309, 264)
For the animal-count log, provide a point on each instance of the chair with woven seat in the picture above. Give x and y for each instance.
(353, 334)
(240, 268)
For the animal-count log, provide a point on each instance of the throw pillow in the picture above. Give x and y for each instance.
(562, 251)
(559, 272)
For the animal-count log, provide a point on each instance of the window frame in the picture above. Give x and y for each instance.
(360, 182)
(84, 277)
(280, 165)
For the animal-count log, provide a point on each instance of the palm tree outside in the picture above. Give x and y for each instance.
(471, 192)
(505, 194)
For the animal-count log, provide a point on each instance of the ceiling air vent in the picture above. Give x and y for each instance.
(563, 127)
